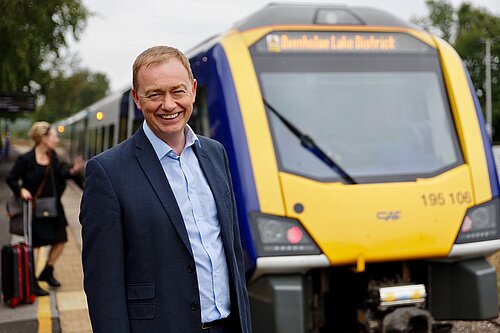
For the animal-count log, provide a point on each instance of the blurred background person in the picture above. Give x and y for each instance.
(38, 174)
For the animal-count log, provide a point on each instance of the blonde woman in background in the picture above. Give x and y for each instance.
(26, 179)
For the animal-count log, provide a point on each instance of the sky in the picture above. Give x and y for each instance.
(120, 30)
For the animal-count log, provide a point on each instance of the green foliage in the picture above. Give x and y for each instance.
(443, 17)
(32, 33)
(441, 20)
(467, 28)
(66, 95)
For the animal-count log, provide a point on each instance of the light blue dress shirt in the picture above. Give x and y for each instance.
(197, 206)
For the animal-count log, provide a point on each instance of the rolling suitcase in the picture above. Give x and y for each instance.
(18, 278)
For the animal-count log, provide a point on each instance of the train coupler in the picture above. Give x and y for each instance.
(408, 320)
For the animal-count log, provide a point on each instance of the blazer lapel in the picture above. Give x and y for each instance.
(219, 186)
(154, 172)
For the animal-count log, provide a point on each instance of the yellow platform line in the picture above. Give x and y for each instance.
(44, 314)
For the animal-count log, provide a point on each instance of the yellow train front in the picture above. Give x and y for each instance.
(364, 177)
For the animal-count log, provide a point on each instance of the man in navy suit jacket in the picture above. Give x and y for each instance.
(161, 246)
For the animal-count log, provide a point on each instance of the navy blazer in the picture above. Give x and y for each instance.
(139, 270)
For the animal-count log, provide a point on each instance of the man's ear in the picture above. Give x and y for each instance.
(136, 98)
(195, 84)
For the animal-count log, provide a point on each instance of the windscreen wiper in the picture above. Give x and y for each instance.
(308, 142)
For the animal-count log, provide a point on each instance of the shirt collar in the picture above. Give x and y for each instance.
(161, 148)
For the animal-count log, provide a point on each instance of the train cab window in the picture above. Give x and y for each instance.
(199, 120)
(382, 115)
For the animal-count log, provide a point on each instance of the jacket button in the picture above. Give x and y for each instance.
(194, 306)
(190, 269)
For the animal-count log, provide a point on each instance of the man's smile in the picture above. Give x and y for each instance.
(169, 116)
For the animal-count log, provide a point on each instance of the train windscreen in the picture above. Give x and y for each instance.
(374, 103)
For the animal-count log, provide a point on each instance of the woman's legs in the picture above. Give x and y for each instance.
(48, 272)
(38, 290)
(55, 252)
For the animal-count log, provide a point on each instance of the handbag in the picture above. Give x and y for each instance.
(14, 206)
(46, 207)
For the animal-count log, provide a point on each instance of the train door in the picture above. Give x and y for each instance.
(123, 116)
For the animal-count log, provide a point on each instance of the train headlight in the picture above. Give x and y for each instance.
(278, 236)
(480, 223)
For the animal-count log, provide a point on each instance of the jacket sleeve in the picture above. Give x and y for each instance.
(62, 167)
(103, 252)
(18, 171)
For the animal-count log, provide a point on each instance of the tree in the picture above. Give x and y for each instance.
(32, 33)
(467, 28)
(68, 94)
(475, 27)
(441, 20)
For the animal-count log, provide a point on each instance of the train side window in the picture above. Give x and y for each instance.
(136, 124)
(123, 118)
(105, 133)
(86, 145)
(75, 142)
(111, 135)
(91, 143)
(102, 139)
(72, 140)
(97, 140)
(81, 142)
(200, 122)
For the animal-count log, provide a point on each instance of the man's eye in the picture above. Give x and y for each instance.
(178, 92)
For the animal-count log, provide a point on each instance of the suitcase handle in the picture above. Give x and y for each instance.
(27, 221)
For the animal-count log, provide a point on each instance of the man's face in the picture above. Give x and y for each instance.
(165, 95)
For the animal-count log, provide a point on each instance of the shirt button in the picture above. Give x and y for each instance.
(194, 306)
(190, 269)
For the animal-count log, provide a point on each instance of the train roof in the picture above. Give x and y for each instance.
(72, 119)
(307, 14)
(324, 14)
(116, 95)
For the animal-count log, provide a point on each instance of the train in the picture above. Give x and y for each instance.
(364, 178)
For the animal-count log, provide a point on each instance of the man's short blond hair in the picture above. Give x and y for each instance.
(158, 54)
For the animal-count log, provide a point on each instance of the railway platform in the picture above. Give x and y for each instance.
(65, 309)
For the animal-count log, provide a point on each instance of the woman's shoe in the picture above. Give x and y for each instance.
(47, 275)
(39, 291)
